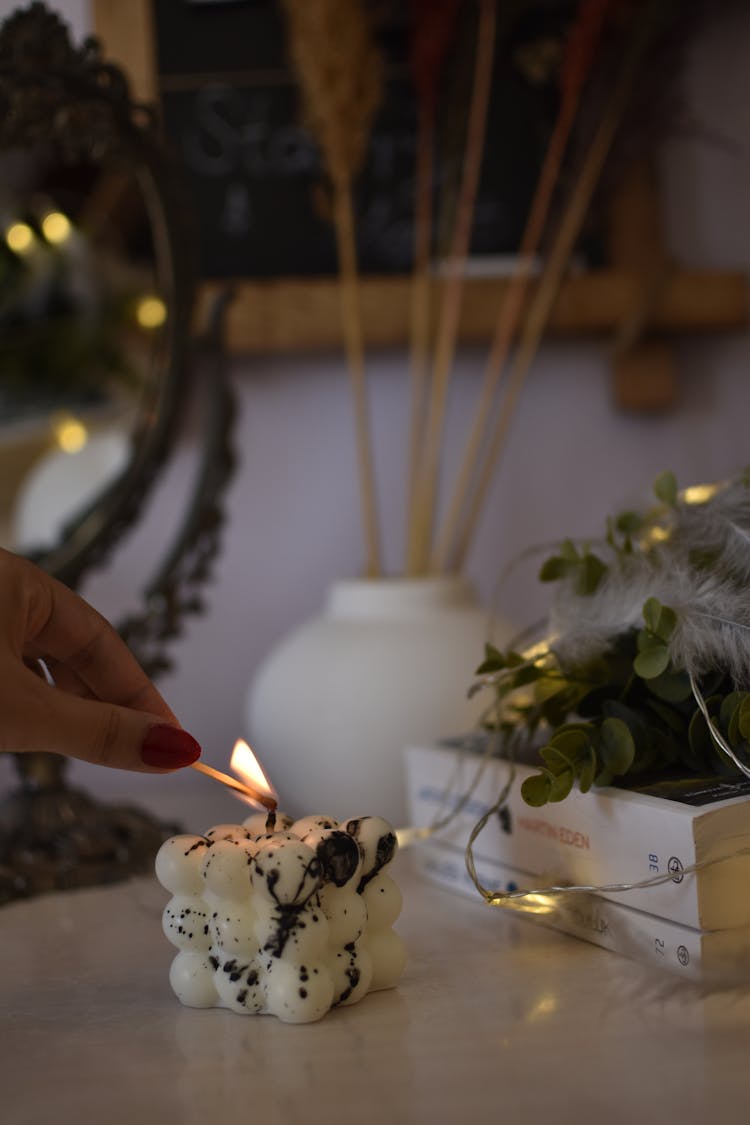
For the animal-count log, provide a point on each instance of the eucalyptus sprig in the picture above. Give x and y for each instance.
(637, 706)
(627, 713)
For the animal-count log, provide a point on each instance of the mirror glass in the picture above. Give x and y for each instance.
(82, 323)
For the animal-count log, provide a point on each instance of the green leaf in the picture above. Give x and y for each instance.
(659, 619)
(556, 709)
(629, 522)
(665, 488)
(672, 719)
(587, 771)
(555, 760)
(547, 687)
(566, 728)
(590, 573)
(729, 716)
(744, 716)
(528, 675)
(571, 742)
(535, 790)
(553, 569)
(561, 786)
(569, 552)
(616, 746)
(651, 662)
(651, 611)
(634, 720)
(646, 640)
(494, 661)
(672, 687)
(666, 623)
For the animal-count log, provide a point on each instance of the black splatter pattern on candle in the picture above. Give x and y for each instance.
(186, 920)
(234, 970)
(339, 855)
(352, 972)
(384, 849)
(285, 918)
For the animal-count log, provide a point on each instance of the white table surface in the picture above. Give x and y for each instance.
(495, 1020)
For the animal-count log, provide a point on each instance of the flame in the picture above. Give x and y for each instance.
(247, 767)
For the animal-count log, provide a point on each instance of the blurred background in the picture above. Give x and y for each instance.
(574, 455)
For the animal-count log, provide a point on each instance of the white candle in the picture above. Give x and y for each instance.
(287, 918)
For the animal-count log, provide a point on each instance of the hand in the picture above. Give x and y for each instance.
(102, 707)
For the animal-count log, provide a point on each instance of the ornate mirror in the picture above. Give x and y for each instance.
(95, 313)
(95, 295)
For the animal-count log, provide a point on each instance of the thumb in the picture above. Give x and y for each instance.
(44, 718)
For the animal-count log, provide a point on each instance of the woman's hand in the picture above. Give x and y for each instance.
(102, 708)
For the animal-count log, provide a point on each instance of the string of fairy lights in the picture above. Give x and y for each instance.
(54, 232)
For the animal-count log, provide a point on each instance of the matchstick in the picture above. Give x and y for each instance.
(255, 795)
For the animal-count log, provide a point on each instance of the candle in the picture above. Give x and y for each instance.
(282, 917)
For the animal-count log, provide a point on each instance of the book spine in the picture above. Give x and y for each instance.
(643, 937)
(589, 839)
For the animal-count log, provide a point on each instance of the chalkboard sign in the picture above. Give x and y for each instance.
(231, 107)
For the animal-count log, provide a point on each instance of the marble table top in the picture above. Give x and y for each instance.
(495, 1020)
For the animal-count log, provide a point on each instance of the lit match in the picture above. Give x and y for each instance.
(255, 788)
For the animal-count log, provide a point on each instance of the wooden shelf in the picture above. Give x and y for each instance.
(303, 314)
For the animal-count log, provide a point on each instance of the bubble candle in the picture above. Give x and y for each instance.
(281, 917)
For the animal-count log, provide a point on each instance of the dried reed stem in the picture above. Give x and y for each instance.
(420, 531)
(355, 355)
(420, 303)
(546, 293)
(432, 33)
(340, 72)
(579, 57)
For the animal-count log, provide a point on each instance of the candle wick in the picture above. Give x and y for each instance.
(271, 821)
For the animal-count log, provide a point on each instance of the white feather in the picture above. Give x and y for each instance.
(695, 558)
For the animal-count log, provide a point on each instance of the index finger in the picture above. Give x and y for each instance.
(62, 626)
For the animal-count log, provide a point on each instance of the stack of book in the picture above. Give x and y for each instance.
(697, 923)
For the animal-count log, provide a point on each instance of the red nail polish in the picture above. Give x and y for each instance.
(169, 748)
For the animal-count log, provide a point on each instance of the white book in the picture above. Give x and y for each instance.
(605, 836)
(718, 956)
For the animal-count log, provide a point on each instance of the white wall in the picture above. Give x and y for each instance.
(293, 522)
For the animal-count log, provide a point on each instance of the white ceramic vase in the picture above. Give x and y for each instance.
(386, 664)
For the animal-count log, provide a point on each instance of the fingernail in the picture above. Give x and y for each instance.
(169, 748)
